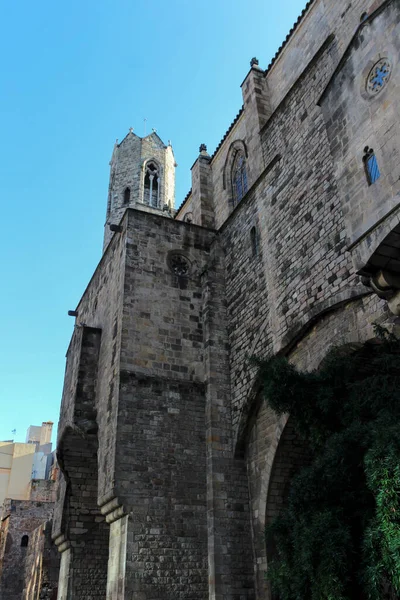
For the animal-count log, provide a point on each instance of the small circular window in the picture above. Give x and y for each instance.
(179, 264)
(378, 76)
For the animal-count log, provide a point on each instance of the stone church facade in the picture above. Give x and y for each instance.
(288, 242)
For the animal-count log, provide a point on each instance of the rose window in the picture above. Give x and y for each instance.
(378, 76)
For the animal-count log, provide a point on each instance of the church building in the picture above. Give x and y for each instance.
(288, 242)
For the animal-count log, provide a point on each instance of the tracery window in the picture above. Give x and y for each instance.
(152, 185)
(239, 178)
(371, 165)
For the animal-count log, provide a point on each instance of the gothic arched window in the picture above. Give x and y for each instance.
(24, 541)
(127, 195)
(371, 165)
(239, 178)
(152, 185)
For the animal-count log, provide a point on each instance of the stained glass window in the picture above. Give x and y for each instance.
(378, 76)
(239, 178)
(371, 165)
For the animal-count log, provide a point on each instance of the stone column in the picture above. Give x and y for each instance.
(118, 521)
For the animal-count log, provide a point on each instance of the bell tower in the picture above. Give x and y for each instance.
(142, 176)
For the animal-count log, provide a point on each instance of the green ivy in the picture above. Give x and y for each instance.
(338, 535)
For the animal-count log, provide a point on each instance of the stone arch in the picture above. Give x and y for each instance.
(322, 313)
(386, 251)
(379, 249)
(276, 456)
(85, 529)
(261, 431)
(80, 530)
(261, 450)
(127, 196)
(291, 454)
(152, 194)
(238, 146)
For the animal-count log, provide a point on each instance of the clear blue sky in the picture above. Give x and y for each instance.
(75, 76)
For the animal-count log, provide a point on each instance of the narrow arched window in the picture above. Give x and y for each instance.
(239, 178)
(24, 541)
(152, 185)
(127, 195)
(254, 241)
(371, 165)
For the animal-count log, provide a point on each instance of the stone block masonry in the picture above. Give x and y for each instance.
(42, 563)
(173, 462)
(20, 519)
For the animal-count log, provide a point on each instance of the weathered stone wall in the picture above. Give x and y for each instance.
(184, 459)
(299, 294)
(262, 98)
(100, 307)
(301, 270)
(322, 19)
(161, 327)
(356, 119)
(43, 490)
(20, 518)
(271, 295)
(161, 472)
(83, 529)
(42, 563)
(228, 518)
(88, 413)
(160, 469)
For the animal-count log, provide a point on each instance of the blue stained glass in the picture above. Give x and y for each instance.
(239, 189)
(244, 177)
(240, 179)
(381, 74)
(372, 169)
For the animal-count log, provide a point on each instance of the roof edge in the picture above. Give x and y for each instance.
(289, 36)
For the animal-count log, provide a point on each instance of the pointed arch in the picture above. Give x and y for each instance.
(127, 196)
(239, 178)
(234, 148)
(152, 183)
(235, 171)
